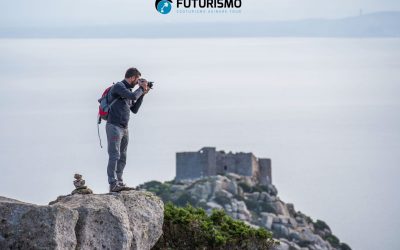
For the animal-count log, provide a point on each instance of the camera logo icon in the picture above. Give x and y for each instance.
(164, 6)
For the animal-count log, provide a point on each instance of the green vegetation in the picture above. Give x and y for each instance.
(344, 246)
(333, 240)
(163, 190)
(308, 218)
(191, 228)
(251, 189)
(321, 225)
(184, 199)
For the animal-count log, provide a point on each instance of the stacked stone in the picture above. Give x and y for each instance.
(80, 187)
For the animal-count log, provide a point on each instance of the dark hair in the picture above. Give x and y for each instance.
(132, 72)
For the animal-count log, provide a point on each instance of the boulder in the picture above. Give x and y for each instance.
(267, 219)
(284, 219)
(280, 208)
(291, 210)
(29, 226)
(103, 221)
(238, 210)
(213, 205)
(201, 190)
(125, 220)
(264, 196)
(292, 222)
(252, 196)
(232, 187)
(280, 230)
(294, 235)
(283, 245)
(234, 177)
(272, 190)
(146, 216)
(287, 245)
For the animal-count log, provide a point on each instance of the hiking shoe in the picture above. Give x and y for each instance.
(115, 187)
(125, 187)
(121, 184)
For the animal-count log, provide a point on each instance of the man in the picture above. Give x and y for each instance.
(117, 124)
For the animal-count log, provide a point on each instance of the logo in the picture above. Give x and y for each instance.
(164, 6)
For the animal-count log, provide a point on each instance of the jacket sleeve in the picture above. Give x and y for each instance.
(123, 92)
(135, 107)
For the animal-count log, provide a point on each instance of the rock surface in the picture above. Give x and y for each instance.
(29, 226)
(125, 220)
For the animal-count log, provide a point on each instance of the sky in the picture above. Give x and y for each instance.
(47, 13)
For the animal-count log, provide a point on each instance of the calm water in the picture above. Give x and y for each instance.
(326, 111)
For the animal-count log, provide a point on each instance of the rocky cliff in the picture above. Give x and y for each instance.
(126, 220)
(256, 205)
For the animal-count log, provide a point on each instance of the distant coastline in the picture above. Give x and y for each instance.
(378, 24)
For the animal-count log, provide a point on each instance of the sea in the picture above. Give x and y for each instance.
(326, 111)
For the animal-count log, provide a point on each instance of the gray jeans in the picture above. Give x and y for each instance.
(117, 139)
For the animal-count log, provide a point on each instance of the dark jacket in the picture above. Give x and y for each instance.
(127, 101)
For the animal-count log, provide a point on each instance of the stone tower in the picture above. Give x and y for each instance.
(208, 162)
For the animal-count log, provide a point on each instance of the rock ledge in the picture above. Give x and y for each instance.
(125, 220)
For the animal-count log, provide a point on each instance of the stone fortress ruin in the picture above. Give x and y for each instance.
(209, 162)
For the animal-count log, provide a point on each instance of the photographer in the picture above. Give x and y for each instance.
(117, 124)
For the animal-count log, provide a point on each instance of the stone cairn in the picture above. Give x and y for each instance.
(80, 187)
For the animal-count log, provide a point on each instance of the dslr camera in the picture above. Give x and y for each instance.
(149, 84)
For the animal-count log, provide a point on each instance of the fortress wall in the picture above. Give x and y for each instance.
(244, 164)
(209, 156)
(255, 168)
(265, 171)
(225, 163)
(240, 163)
(191, 165)
(188, 165)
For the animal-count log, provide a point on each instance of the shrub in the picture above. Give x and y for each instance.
(191, 228)
(163, 190)
(333, 240)
(344, 246)
(246, 187)
(251, 189)
(321, 225)
(185, 199)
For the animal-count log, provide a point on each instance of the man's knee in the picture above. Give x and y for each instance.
(115, 156)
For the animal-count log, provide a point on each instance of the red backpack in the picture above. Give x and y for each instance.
(104, 108)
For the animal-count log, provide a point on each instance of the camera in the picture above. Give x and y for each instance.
(149, 84)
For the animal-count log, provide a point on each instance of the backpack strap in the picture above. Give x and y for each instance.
(115, 100)
(98, 129)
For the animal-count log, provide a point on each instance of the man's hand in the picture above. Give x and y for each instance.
(143, 84)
